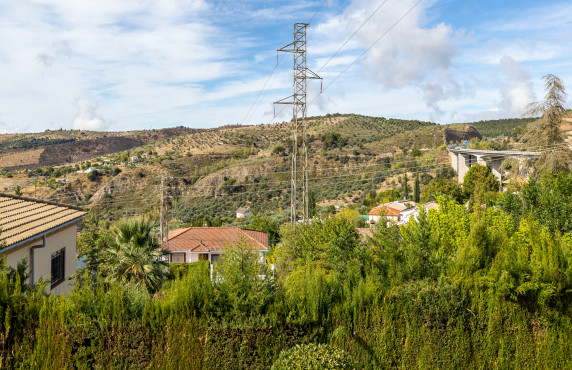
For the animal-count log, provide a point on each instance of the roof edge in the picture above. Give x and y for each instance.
(28, 199)
(39, 235)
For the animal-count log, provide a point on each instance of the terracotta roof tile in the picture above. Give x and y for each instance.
(204, 239)
(22, 218)
(383, 211)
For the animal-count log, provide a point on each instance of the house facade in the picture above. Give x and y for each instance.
(43, 232)
(195, 244)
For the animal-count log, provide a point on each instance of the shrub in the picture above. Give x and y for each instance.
(314, 356)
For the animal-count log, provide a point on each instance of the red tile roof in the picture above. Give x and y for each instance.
(384, 211)
(204, 239)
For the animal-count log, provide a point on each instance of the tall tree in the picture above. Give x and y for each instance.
(405, 190)
(416, 189)
(551, 109)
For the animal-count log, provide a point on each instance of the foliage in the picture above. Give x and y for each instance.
(133, 257)
(313, 356)
(479, 180)
(416, 189)
(446, 172)
(405, 189)
(442, 187)
(267, 224)
(243, 285)
(387, 196)
(551, 109)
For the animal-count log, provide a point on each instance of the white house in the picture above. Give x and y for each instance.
(243, 212)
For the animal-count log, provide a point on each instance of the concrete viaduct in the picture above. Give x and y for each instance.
(462, 159)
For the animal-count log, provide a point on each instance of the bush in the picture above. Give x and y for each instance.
(314, 356)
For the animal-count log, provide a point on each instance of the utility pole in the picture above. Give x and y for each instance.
(300, 81)
(164, 214)
(162, 195)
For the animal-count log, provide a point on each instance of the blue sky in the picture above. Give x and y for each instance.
(140, 64)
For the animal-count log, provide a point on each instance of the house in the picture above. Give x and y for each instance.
(406, 215)
(43, 232)
(243, 212)
(195, 244)
(391, 211)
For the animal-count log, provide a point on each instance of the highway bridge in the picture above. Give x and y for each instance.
(463, 158)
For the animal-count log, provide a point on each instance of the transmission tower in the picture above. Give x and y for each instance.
(298, 100)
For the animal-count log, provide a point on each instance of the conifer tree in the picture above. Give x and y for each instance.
(405, 190)
(416, 189)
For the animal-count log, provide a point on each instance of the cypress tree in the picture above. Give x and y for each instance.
(405, 187)
(416, 190)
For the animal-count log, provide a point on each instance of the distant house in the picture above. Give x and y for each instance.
(243, 212)
(406, 215)
(195, 244)
(43, 232)
(390, 211)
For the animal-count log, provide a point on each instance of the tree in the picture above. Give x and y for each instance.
(552, 110)
(405, 187)
(133, 256)
(242, 281)
(416, 189)
(268, 225)
(442, 187)
(91, 245)
(479, 179)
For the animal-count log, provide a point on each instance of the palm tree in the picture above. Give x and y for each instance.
(134, 256)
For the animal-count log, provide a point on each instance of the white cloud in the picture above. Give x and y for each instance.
(411, 54)
(87, 118)
(515, 87)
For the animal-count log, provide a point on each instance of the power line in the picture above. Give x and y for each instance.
(366, 50)
(352, 35)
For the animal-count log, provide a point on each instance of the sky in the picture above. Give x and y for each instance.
(142, 64)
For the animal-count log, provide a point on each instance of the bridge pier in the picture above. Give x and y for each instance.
(495, 168)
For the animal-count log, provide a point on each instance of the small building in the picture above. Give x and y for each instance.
(43, 232)
(391, 211)
(195, 244)
(243, 212)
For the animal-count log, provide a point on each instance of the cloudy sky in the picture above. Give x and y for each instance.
(140, 64)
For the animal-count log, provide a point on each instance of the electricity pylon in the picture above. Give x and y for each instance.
(301, 75)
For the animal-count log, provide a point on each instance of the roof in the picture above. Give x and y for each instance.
(383, 211)
(242, 210)
(23, 218)
(205, 239)
(364, 232)
(431, 205)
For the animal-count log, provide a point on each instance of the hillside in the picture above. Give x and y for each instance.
(212, 172)
(30, 151)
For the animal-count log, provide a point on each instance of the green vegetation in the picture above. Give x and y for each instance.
(478, 287)
(27, 143)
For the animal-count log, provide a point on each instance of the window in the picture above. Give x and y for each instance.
(58, 267)
(215, 257)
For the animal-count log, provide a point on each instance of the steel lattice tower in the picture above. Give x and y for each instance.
(300, 81)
